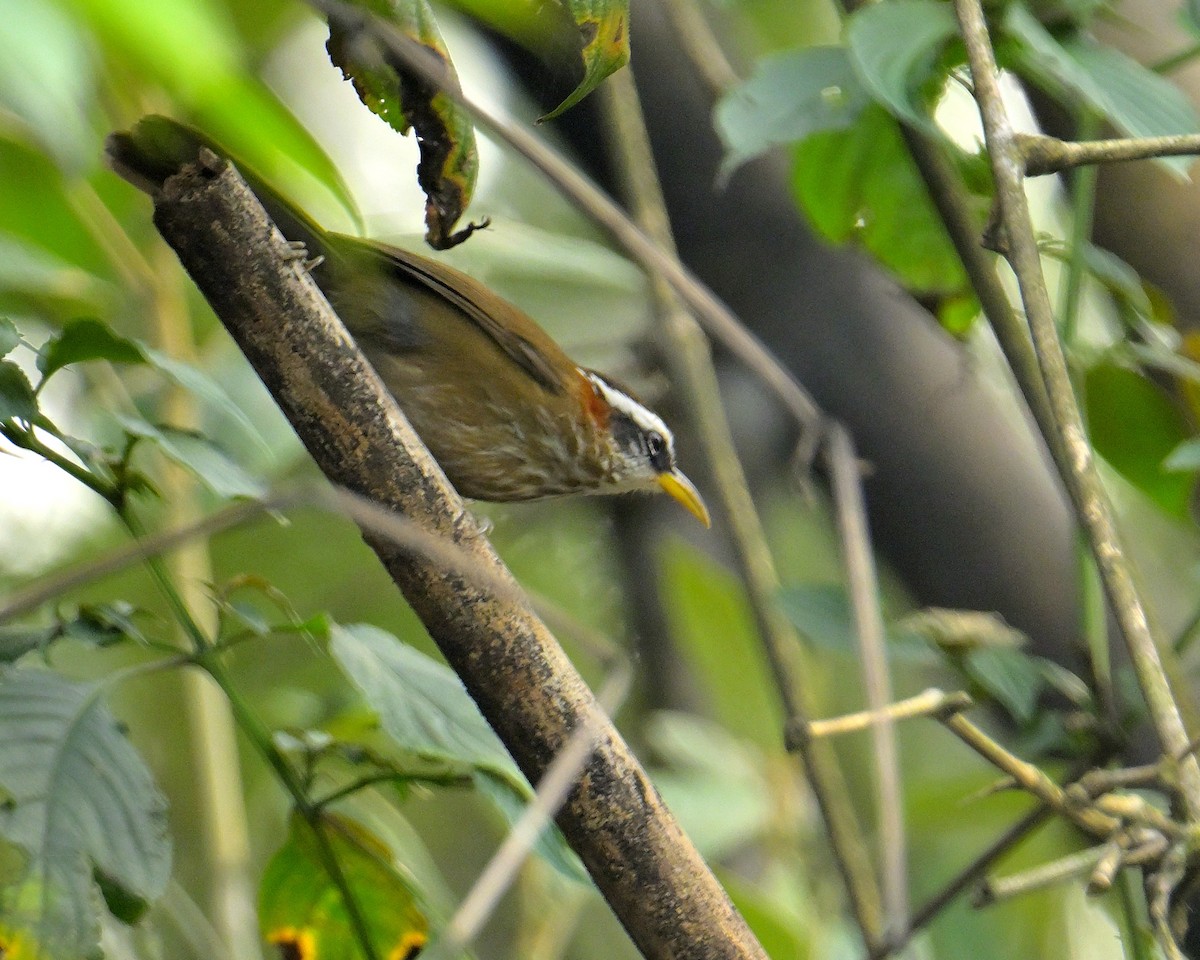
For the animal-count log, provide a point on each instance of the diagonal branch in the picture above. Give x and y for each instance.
(649, 872)
(1072, 452)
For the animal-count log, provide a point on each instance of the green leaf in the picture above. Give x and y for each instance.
(604, 32)
(30, 274)
(1037, 54)
(1185, 457)
(86, 339)
(302, 913)
(789, 96)
(17, 400)
(207, 389)
(712, 624)
(1137, 101)
(10, 336)
(1117, 277)
(99, 625)
(859, 186)
(46, 247)
(449, 164)
(1135, 427)
(421, 703)
(104, 624)
(193, 52)
(83, 801)
(201, 456)
(424, 710)
(15, 642)
(894, 47)
(821, 612)
(1013, 678)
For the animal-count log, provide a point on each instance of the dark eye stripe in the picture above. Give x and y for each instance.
(656, 448)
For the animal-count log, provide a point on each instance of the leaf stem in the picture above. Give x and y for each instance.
(260, 737)
(27, 439)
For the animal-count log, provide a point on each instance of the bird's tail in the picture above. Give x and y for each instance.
(157, 148)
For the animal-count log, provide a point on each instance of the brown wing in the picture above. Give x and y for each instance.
(512, 330)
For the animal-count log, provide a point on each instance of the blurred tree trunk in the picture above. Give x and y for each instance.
(962, 499)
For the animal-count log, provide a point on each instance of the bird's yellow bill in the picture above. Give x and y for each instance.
(683, 490)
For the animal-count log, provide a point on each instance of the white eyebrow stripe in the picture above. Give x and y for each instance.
(646, 419)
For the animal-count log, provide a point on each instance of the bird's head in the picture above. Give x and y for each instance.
(641, 448)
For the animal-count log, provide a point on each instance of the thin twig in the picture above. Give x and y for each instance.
(1029, 777)
(1044, 155)
(846, 485)
(932, 702)
(701, 45)
(1076, 464)
(500, 871)
(997, 889)
(690, 362)
(716, 318)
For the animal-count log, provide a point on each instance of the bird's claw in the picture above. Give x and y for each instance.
(296, 250)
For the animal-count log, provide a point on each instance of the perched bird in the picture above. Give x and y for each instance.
(507, 414)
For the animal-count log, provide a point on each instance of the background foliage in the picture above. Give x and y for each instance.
(137, 816)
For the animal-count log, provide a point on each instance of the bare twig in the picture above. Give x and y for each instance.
(1043, 154)
(996, 889)
(846, 484)
(690, 363)
(497, 876)
(1030, 778)
(932, 702)
(717, 320)
(1073, 451)
(701, 45)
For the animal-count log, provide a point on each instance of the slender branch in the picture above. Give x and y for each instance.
(855, 536)
(497, 876)
(716, 318)
(1076, 463)
(997, 889)
(690, 363)
(700, 44)
(1030, 778)
(932, 702)
(1043, 154)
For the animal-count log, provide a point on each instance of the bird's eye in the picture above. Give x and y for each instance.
(654, 444)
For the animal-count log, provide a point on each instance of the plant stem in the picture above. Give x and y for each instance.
(27, 439)
(1073, 454)
(689, 360)
(260, 737)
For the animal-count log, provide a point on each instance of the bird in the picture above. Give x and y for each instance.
(505, 412)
